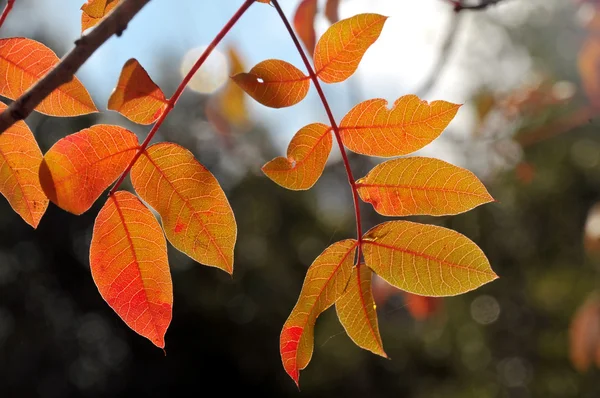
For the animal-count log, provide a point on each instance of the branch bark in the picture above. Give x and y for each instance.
(114, 23)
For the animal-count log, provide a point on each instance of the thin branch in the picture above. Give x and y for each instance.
(334, 126)
(171, 104)
(443, 58)
(9, 6)
(115, 23)
(483, 4)
(559, 126)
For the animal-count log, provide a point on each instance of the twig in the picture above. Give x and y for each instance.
(442, 61)
(115, 23)
(559, 126)
(459, 6)
(9, 6)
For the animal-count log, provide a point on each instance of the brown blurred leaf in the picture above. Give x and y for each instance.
(331, 10)
(584, 334)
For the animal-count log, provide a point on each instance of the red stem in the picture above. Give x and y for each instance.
(182, 85)
(334, 126)
(9, 6)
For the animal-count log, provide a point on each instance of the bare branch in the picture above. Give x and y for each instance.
(483, 4)
(115, 23)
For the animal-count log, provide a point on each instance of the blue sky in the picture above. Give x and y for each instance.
(394, 66)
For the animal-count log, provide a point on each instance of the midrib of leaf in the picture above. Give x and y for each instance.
(312, 307)
(189, 206)
(95, 162)
(271, 82)
(306, 156)
(399, 125)
(59, 88)
(364, 308)
(133, 252)
(366, 241)
(419, 188)
(354, 38)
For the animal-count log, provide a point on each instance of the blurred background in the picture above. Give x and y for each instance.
(528, 72)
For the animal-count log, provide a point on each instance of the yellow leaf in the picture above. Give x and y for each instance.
(325, 282)
(412, 186)
(356, 311)
(372, 129)
(306, 157)
(342, 46)
(425, 259)
(195, 213)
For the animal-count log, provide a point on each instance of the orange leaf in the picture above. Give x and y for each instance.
(23, 62)
(264, 1)
(331, 10)
(20, 159)
(306, 157)
(421, 307)
(342, 46)
(589, 62)
(274, 83)
(128, 259)
(356, 311)
(195, 213)
(304, 23)
(79, 167)
(325, 282)
(94, 8)
(89, 21)
(411, 186)
(136, 96)
(584, 340)
(425, 259)
(372, 129)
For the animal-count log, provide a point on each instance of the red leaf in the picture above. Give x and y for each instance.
(136, 96)
(304, 23)
(128, 259)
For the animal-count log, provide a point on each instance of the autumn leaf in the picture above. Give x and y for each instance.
(304, 23)
(227, 109)
(195, 213)
(372, 129)
(274, 83)
(306, 157)
(94, 8)
(88, 20)
(128, 260)
(356, 311)
(584, 339)
(589, 63)
(136, 96)
(325, 282)
(331, 10)
(418, 185)
(23, 62)
(80, 166)
(425, 259)
(342, 46)
(20, 159)
(421, 307)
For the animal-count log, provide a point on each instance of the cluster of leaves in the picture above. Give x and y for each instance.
(128, 252)
(421, 259)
